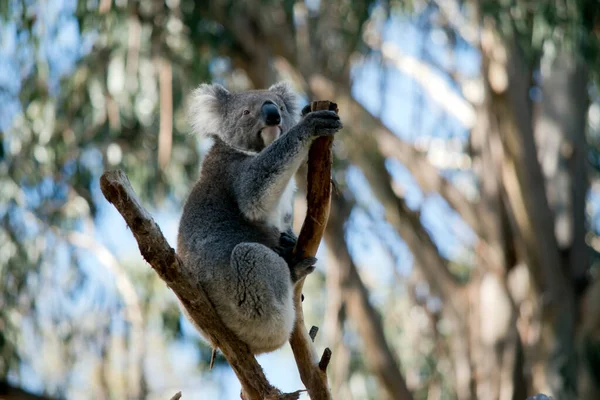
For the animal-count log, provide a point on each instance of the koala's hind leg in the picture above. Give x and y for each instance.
(262, 291)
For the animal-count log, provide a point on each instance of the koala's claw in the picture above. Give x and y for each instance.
(322, 122)
(285, 248)
(305, 110)
(287, 239)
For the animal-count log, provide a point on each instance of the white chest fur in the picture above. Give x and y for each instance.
(285, 207)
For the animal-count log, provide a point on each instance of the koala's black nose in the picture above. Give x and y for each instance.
(271, 115)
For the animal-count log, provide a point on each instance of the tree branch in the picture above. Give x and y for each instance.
(161, 256)
(318, 198)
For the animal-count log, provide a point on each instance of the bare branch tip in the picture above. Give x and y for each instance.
(313, 332)
(212, 358)
(325, 358)
(176, 396)
(291, 396)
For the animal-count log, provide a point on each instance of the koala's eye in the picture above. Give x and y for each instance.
(246, 112)
(282, 108)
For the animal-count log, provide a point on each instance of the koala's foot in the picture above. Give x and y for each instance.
(288, 239)
(285, 248)
(301, 266)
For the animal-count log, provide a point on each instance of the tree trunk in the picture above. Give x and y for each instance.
(533, 220)
(560, 134)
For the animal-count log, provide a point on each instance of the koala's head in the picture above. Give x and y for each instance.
(249, 120)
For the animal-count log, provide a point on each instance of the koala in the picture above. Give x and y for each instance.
(235, 235)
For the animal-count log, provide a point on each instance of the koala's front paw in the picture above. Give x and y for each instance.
(285, 248)
(305, 110)
(322, 122)
(288, 238)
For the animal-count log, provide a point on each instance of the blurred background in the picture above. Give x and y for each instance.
(461, 255)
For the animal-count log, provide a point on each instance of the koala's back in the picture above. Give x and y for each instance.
(212, 223)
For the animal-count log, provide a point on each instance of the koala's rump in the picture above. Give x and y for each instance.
(208, 260)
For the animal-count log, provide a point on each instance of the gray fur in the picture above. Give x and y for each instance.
(237, 218)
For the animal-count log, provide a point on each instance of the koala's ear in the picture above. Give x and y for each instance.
(206, 109)
(289, 96)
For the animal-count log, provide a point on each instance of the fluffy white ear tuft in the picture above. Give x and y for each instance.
(286, 92)
(205, 109)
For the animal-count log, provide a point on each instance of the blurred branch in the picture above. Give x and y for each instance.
(133, 46)
(521, 174)
(450, 9)
(165, 135)
(334, 321)
(560, 132)
(132, 305)
(426, 175)
(125, 288)
(509, 76)
(104, 6)
(390, 145)
(156, 251)
(432, 83)
(379, 356)
(407, 222)
(335, 318)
